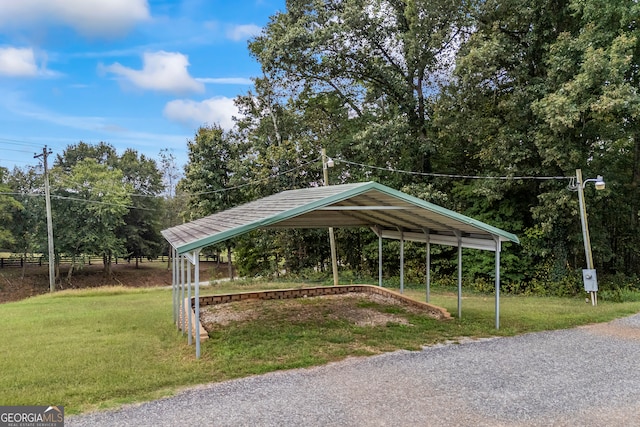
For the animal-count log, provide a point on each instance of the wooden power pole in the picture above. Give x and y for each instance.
(332, 239)
(52, 256)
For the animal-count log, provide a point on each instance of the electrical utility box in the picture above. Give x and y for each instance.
(590, 280)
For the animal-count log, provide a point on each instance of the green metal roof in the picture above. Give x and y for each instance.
(388, 212)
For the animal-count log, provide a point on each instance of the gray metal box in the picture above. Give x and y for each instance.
(590, 280)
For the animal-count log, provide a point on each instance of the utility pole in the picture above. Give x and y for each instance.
(52, 256)
(332, 239)
(589, 274)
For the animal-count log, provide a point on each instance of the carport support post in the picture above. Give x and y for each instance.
(173, 282)
(428, 264)
(175, 287)
(183, 317)
(498, 248)
(196, 256)
(401, 262)
(179, 297)
(459, 236)
(189, 327)
(380, 258)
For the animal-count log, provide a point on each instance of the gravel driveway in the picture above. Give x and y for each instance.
(588, 376)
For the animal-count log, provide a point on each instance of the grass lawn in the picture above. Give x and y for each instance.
(99, 348)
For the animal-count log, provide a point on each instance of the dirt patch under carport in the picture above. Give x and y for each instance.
(359, 308)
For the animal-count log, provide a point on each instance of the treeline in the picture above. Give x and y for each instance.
(487, 108)
(103, 204)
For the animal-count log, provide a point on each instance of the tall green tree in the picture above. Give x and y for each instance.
(102, 153)
(89, 205)
(358, 78)
(9, 206)
(141, 227)
(275, 142)
(209, 175)
(591, 113)
(382, 59)
(173, 204)
(28, 225)
(486, 125)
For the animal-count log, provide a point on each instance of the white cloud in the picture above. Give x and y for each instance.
(161, 71)
(89, 17)
(243, 32)
(18, 62)
(218, 110)
(226, 80)
(23, 62)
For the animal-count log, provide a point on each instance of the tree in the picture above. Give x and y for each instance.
(89, 204)
(174, 202)
(141, 185)
(592, 116)
(28, 225)
(382, 59)
(141, 224)
(356, 77)
(8, 207)
(103, 153)
(208, 175)
(487, 126)
(170, 172)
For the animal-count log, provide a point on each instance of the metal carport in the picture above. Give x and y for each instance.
(389, 213)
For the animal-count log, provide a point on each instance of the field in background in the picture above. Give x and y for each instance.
(15, 287)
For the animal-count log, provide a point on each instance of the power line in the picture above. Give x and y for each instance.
(221, 190)
(446, 175)
(75, 199)
(17, 142)
(17, 161)
(17, 151)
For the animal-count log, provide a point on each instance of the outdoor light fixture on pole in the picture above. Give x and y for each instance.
(589, 274)
(327, 162)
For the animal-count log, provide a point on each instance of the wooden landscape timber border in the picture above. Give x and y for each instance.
(195, 325)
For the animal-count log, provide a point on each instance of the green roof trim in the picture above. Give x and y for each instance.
(447, 212)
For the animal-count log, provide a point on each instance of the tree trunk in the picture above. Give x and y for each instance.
(70, 272)
(56, 262)
(24, 266)
(106, 260)
(229, 263)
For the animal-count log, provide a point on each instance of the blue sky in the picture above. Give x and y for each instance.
(141, 74)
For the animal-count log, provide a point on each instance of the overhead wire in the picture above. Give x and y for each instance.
(337, 159)
(17, 151)
(446, 175)
(145, 195)
(221, 190)
(75, 199)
